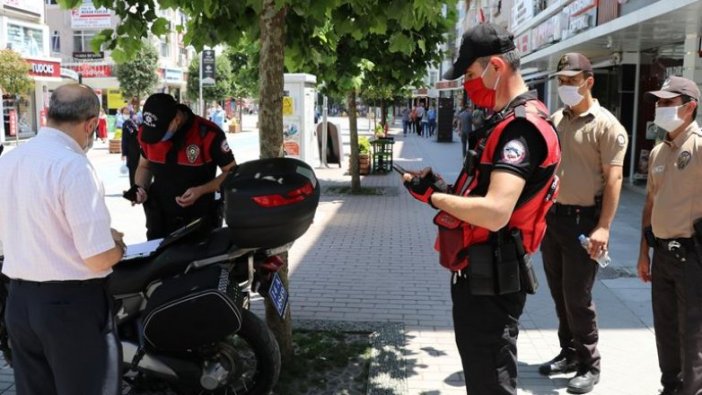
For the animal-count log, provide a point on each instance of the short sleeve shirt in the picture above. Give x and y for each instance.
(588, 142)
(57, 217)
(675, 170)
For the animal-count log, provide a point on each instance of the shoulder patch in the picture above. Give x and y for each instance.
(621, 140)
(514, 152)
(225, 146)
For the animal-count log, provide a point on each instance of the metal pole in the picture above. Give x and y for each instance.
(200, 101)
(635, 121)
(324, 133)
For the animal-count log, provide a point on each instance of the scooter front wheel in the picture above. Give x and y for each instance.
(252, 358)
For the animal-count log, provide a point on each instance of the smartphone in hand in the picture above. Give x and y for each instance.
(400, 169)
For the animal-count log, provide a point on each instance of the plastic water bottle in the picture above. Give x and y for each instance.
(603, 260)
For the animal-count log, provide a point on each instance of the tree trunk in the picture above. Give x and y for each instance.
(353, 131)
(270, 121)
(383, 112)
(271, 69)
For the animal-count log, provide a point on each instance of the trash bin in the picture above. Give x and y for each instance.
(382, 154)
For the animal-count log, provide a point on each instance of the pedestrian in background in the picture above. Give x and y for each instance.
(218, 116)
(419, 117)
(465, 127)
(405, 120)
(495, 209)
(131, 152)
(431, 115)
(594, 145)
(102, 126)
(58, 250)
(176, 178)
(672, 207)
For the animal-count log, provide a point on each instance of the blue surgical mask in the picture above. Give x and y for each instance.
(169, 134)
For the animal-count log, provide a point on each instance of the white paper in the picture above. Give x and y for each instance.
(141, 249)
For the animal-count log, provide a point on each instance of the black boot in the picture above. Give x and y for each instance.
(562, 363)
(583, 381)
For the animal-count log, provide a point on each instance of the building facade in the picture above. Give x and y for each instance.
(23, 29)
(634, 46)
(72, 32)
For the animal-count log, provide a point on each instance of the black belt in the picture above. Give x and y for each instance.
(680, 247)
(65, 283)
(567, 210)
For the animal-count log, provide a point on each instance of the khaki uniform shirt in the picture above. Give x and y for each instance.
(589, 141)
(674, 173)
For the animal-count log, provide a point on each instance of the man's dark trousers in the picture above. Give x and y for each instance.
(676, 294)
(570, 274)
(486, 329)
(61, 338)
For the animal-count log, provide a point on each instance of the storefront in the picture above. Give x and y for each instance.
(25, 114)
(633, 45)
(172, 81)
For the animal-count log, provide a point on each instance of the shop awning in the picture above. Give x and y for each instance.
(663, 23)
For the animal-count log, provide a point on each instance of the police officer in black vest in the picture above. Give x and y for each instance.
(489, 222)
(176, 178)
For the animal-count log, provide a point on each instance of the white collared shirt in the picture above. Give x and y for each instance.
(52, 210)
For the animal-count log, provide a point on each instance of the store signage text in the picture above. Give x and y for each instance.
(93, 71)
(42, 68)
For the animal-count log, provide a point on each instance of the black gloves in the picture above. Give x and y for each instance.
(423, 185)
(131, 194)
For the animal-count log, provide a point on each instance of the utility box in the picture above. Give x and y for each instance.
(299, 133)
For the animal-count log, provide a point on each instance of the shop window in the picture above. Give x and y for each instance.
(81, 40)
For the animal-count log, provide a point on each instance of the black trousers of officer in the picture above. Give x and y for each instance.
(486, 329)
(676, 293)
(62, 339)
(570, 274)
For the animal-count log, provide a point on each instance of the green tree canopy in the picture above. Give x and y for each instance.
(14, 73)
(137, 77)
(222, 88)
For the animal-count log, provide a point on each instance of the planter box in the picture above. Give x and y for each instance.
(115, 146)
(364, 164)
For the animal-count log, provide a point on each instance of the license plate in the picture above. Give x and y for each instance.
(278, 295)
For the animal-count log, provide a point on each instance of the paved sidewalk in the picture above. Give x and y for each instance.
(371, 258)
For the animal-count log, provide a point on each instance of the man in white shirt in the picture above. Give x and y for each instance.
(58, 250)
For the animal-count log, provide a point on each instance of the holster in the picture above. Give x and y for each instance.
(494, 267)
(528, 280)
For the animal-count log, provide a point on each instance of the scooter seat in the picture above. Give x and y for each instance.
(134, 275)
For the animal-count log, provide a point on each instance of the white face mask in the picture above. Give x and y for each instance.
(89, 142)
(569, 95)
(667, 118)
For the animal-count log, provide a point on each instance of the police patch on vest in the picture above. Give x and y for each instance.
(514, 152)
(683, 159)
(225, 146)
(621, 140)
(192, 152)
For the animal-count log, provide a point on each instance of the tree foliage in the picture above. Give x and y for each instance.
(222, 88)
(14, 73)
(137, 77)
(244, 59)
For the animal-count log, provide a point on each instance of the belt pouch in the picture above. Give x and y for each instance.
(507, 265)
(481, 270)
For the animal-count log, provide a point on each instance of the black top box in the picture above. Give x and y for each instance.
(270, 202)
